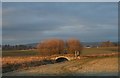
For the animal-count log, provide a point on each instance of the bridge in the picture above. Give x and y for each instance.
(66, 57)
(60, 58)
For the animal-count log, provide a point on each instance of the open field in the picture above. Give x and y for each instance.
(105, 50)
(9, 53)
(107, 66)
(86, 51)
(21, 56)
(25, 59)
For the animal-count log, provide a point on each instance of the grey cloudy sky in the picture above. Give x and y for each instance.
(29, 22)
(60, 0)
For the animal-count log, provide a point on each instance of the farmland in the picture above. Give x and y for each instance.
(28, 59)
(12, 53)
(86, 51)
(107, 66)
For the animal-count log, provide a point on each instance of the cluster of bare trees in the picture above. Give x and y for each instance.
(108, 44)
(58, 46)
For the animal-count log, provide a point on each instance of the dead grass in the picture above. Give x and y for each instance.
(107, 66)
(17, 60)
(14, 62)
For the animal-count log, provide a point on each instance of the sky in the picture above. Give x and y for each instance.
(0, 23)
(60, 0)
(31, 22)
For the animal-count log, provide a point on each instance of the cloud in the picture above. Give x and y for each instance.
(60, 1)
(32, 22)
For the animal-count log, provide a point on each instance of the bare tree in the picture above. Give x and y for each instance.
(51, 46)
(73, 45)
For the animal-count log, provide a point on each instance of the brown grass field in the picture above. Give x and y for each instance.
(105, 66)
(26, 59)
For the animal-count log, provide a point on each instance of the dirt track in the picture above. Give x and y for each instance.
(90, 66)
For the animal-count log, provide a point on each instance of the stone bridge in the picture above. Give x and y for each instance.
(61, 58)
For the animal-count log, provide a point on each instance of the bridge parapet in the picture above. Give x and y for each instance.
(66, 57)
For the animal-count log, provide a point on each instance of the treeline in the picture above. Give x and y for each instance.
(58, 46)
(108, 44)
(16, 47)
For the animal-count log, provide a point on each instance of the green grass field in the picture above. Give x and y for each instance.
(85, 51)
(19, 53)
(101, 50)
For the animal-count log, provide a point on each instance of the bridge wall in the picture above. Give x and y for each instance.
(68, 58)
